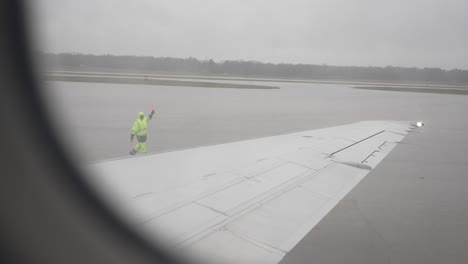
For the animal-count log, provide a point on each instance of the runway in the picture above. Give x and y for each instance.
(412, 208)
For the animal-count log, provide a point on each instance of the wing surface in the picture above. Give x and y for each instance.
(250, 201)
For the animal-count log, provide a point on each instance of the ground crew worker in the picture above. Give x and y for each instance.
(140, 128)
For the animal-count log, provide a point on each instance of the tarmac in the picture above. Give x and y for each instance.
(412, 208)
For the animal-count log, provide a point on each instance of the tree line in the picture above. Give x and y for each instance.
(253, 68)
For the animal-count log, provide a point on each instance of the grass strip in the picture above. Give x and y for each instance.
(93, 79)
(175, 76)
(415, 90)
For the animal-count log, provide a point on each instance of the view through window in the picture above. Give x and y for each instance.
(268, 131)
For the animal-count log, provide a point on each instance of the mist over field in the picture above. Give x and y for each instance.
(416, 33)
(192, 66)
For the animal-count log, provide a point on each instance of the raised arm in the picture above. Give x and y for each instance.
(151, 115)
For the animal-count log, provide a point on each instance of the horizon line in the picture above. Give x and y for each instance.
(253, 61)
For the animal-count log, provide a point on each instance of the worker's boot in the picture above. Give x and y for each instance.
(133, 152)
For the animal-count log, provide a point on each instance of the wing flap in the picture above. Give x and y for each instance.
(183, 222)
(227, 247)
(245, 193)
(284, 219)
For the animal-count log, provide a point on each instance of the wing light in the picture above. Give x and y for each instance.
(420, 124)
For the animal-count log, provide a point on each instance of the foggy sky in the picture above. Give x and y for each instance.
(413, 33)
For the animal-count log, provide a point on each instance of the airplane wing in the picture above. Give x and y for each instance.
(250, 201)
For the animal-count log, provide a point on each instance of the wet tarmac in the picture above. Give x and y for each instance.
(412, 208)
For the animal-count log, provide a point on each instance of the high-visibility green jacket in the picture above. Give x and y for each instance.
(140, 126)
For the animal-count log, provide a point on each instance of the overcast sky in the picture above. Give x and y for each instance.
(415, 33)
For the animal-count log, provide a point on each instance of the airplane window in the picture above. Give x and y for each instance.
(267, 131)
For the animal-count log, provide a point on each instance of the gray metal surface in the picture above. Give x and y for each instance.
(277, 188)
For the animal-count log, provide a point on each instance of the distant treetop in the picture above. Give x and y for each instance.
(253, 68)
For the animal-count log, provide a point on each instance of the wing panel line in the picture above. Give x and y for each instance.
(356, 143)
